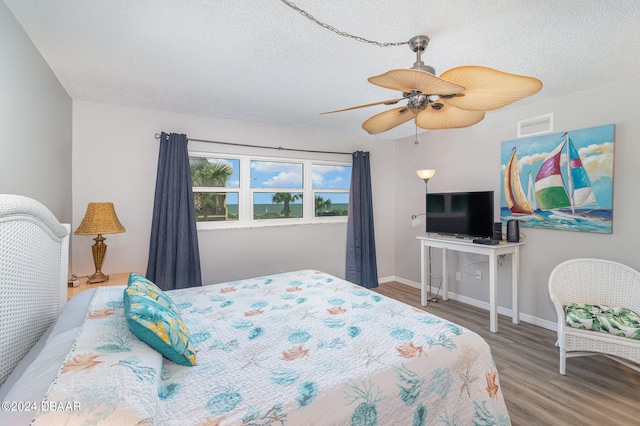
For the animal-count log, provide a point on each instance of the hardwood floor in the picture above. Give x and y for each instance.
(595, 391)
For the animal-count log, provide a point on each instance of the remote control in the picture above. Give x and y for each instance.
(486, 241)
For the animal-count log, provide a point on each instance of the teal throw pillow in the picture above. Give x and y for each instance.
(158, 326)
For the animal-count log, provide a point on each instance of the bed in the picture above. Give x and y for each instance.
(298, 348)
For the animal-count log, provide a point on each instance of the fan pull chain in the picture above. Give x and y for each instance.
(416, 142)
(343, 34)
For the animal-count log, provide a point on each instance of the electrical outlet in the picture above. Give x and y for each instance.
(478, 274)
(457, 276)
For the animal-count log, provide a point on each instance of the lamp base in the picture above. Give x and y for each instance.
(99, 249)
(97, 277)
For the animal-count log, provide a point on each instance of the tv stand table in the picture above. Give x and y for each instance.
(467, 246)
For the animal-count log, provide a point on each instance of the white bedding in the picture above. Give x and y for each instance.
(299, 348)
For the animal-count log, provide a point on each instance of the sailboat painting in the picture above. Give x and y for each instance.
(560, 181)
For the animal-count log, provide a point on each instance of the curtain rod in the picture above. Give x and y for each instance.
(279, 148)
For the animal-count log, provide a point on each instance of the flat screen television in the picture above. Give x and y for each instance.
(464, 214)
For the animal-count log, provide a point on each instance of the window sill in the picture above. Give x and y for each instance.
(280, 223)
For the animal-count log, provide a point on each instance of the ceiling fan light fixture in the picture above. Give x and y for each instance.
(418, 101)
(466, 92)
(458, 98)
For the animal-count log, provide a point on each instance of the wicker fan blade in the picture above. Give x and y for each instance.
(448, 117)
(406, 80)
(387, 120)
(387, 102)
(487, 89)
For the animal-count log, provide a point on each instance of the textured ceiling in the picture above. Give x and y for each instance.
(262, 61)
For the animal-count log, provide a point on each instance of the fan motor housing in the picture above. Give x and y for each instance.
(418, 101)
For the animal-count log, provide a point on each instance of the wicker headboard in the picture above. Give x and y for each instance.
(34, 261)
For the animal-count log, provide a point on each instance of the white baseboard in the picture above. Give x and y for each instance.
(549, 325)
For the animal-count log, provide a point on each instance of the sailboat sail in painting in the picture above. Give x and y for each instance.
(569, 180)
(550, 189)
(514, 195)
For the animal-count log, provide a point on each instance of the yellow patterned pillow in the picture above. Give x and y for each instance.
(145, 286)
(158, 326)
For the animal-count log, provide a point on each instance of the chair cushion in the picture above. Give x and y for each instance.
(158, 326)
(618, 321)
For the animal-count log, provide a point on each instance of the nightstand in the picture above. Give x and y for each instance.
(114, 279)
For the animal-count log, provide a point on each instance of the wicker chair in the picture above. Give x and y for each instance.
(600, 282)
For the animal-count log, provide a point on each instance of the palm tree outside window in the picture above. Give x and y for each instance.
(210, 173)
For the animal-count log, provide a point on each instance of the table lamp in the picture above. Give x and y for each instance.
(99, 219)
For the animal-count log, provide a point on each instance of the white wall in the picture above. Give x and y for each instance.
(469, 159)
(115, 159)
(35, 118)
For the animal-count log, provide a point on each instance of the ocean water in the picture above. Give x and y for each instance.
(276, 209)
(583, 220)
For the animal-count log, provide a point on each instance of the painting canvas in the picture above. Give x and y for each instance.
(560, 181)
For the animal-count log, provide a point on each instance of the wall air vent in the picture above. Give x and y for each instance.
(535, 125)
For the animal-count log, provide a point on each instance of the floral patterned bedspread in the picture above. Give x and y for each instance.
(299, 348)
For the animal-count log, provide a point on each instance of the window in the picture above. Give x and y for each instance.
(216, 184)
(276, 189)
(232, 191)
(330, 185)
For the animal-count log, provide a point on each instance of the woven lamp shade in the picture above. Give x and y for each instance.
(100, 218)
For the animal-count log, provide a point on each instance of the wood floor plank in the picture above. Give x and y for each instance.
(595, 391)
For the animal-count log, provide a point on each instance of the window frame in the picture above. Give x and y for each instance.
(246, 192)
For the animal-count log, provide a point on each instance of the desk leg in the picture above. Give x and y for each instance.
(493, 293)
(445, 276)
(424, 270)
(515, 274)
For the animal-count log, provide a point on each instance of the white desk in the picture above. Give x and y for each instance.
(467, 246)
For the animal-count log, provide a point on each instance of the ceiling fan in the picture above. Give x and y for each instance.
(458, 98)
